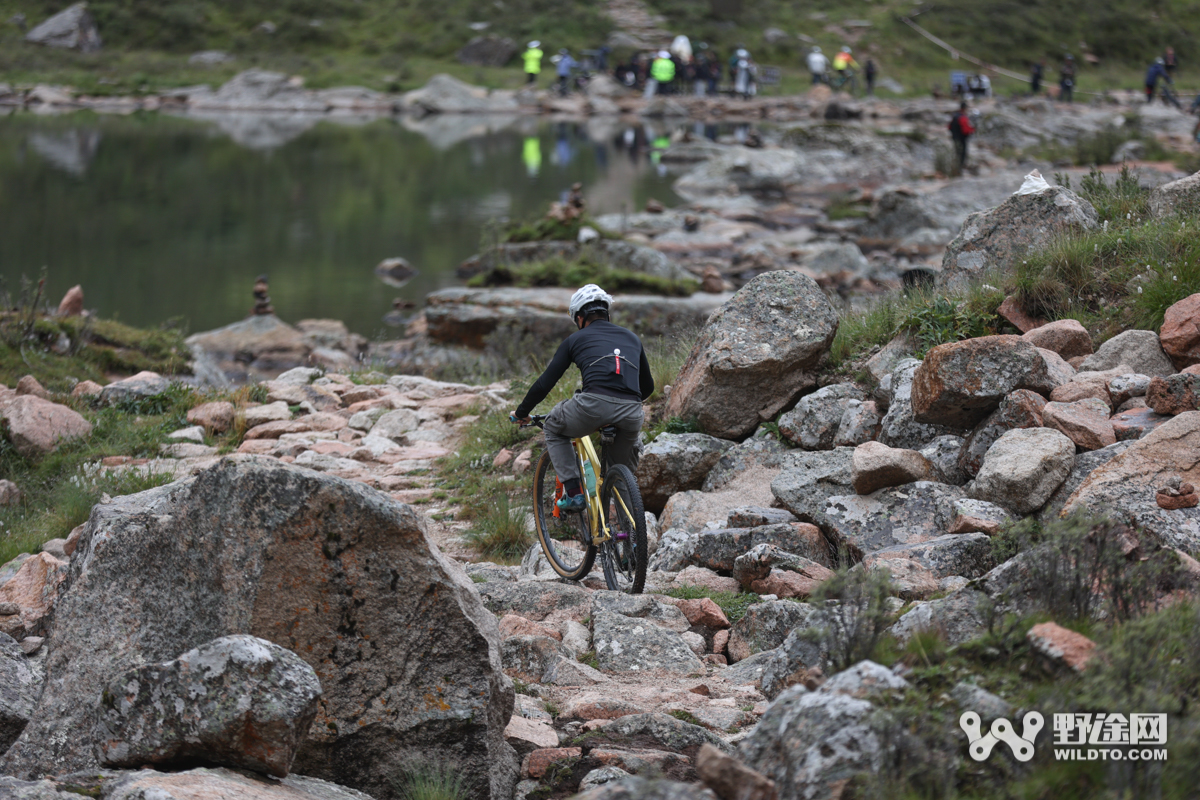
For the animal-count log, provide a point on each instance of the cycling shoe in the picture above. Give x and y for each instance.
(572, 503)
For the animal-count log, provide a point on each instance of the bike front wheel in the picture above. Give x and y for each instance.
(565, 537)
(623, 557)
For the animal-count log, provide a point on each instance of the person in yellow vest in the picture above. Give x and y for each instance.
(662, 72)
(844, 61)
(533, 61)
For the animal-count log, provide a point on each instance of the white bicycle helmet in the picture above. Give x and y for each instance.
(587, 296)
(534, 43)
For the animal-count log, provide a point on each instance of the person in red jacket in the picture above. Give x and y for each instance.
(961, 130)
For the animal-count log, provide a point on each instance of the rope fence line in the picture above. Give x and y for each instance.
(954, 51)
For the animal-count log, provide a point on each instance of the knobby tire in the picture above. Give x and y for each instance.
(623, 559)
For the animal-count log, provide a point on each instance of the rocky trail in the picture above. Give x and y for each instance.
(839, 561)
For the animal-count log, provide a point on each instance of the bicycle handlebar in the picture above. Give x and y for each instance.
(535, 420)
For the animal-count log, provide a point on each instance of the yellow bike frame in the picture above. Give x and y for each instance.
(585, 452)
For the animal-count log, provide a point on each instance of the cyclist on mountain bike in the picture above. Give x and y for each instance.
(616, 379)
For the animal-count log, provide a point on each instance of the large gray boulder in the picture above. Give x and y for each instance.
(755, 355)
(1019, 409)
(1125, 486)
(801, 651)
(899, 427)
(760, 450)
(960, 383)
(808, 480)
(766, 625)
(20, 685)
(72, 28)
(814, 422)
(959, 617)
(1177, 197)
(812, 743)
(336, 572)
(201, 782)
(1139, 349)
(999, 237)
(676, 462)
(627, 644)
(966, 554)
(444, 94)
(236, 702)
(1023, 468)
(909, 514)
(1083, 466)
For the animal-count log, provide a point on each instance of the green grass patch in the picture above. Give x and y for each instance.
(734, 604)
(685, 716)
(589, 658)
(575, 272)
(1124, 275)
(501, 530)
(430, 781)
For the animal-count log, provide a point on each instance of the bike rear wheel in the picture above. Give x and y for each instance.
(566, 538)
(623, 557)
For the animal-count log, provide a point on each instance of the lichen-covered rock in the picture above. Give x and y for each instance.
(859, 423)
(1085, 422)
(1174, 394)
(20, 686)
(789, 664)
(1135, 423)
(967, 554)
(876, 466)
(1081, 467)
(142, 385)
(676, 462)
(1067, 337)
(336, 572)
(814, 422)
(1125, 486)
(1123, 388)
(899, 427)
(73, 28)
(625, 644)
(639, 607)
(1140, 349)
(236, 701)
(757, 516)
(944, 453)
(755, 355)
(999, 237)
(909, 514)
(529, 657)
(537, 601)
(960, 383)
(1177, 197)
(37, 426)
(201, 782)
(1023, 468)
(807, 480)
(1180, 333)
(637, 787)
(753, 570)
(959, 617)
(979, 516)
(760, 450)
(765, 626)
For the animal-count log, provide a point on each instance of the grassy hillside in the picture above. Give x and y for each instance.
(398, 44)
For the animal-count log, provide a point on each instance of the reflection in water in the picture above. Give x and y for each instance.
(158, 217)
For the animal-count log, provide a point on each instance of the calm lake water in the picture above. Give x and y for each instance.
(160, 217)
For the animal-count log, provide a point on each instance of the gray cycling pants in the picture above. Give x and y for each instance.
(583, 414)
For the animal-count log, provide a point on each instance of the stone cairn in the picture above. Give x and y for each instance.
(262, 301)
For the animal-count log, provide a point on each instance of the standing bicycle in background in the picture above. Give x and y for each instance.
(616, 379)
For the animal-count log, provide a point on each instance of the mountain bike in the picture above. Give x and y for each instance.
(839, 82)
(612, 525)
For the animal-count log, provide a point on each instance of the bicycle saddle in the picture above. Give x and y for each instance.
(608, 434)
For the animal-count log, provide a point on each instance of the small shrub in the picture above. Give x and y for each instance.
(857, 608)
(685, 716)
(579, 271)
(589, 658)
(1077, 570)
(672, 425)
(944, 321)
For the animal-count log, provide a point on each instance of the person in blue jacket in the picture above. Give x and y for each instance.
(1157, 70)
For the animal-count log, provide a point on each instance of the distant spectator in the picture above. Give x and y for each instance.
(869, 70)
(1157, 70)
(1066, 79)
(1170, 62)
(818, 65)
(843, 61)
(662, 72)
(960, 131)
(533, 61)
(1036, 73)
(565, 65)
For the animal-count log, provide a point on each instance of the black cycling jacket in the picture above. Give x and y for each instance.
(595, 351)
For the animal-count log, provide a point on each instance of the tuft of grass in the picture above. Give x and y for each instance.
(672, 425)
(430, 781)
(589, 658)
(685, 716)
(734, 604)
(502, 531)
